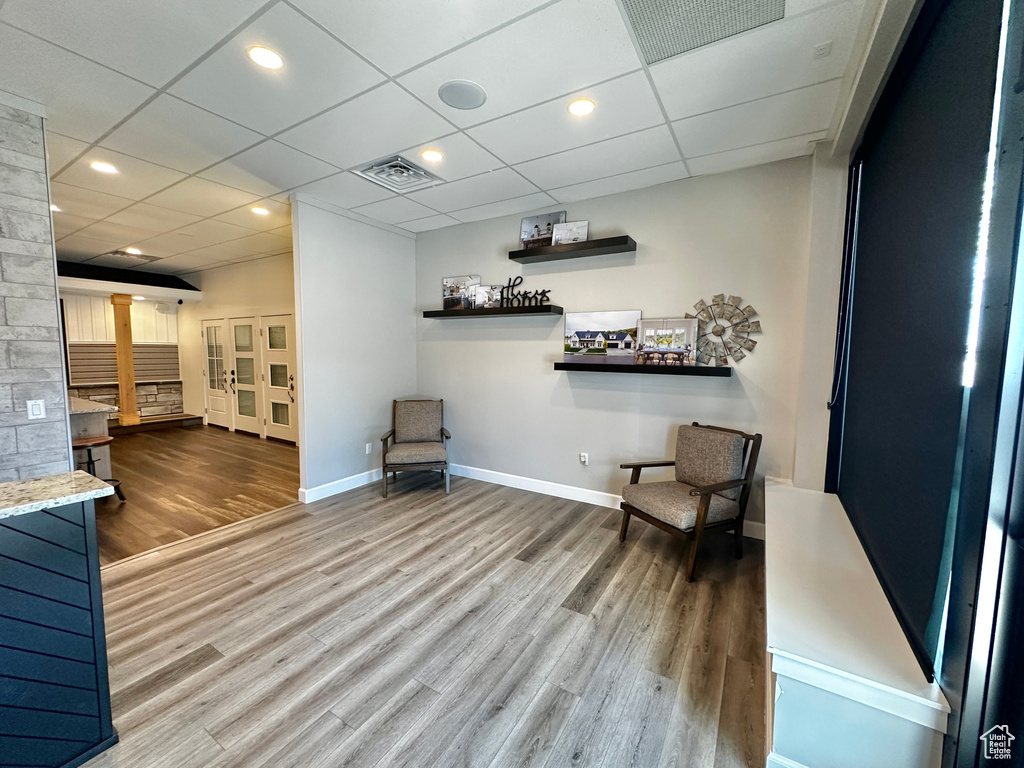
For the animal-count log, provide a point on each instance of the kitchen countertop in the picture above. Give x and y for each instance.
(81, 405)
(24, 496)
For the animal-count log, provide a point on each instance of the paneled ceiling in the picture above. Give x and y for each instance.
(200, 135)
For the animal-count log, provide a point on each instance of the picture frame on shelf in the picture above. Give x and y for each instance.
(459, 291)
(611, 335)
(537, 231)
(667, 341)
(570, 232)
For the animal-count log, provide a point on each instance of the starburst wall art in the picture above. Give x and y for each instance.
(723, 330)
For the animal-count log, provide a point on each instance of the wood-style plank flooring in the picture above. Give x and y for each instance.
(185, 481)
(492, 627)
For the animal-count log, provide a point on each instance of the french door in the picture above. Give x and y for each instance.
(243, 375)
(219, 404)
(279, 385)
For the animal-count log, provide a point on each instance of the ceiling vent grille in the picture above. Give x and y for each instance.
(398, 174)
(667, 28)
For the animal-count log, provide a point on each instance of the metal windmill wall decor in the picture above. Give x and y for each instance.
(723, 329)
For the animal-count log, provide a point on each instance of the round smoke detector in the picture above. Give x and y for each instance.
(462, 94)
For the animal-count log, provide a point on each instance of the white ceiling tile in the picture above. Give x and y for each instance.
(268, 168)
(396, 39)
(171, 244)
(64, 224)
(624, 182)
(202, 197)
(278, 214)
(394, 210)
(75, 257)
(174, 133)
(775, 58)
(118, 261)
(82, 247)
(379, 123)
(152, 218)
(119, 233)
(86, 202)
(476, 190)
(462, 157)
(214, 231)
(285, 231)
(318, 72)
(643, 149)
(346, 190)
(567, 46)
(264, 242)
(185, 262)
(135, 178)
(83, 100)
(152, 41)
(430, 222)
(221, 252)
(61, 150)
(777, 117)
(756, 155)
(505, 207)
(623, 105)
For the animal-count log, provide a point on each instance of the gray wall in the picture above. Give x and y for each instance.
(31, 364)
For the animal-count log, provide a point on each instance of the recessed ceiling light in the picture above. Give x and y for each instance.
(55, 209)
(265, 57)
(581, 107)
(139, 298)
(431, 155)
(133, 251)
(260, 211)
(99, 165)
(462, 94)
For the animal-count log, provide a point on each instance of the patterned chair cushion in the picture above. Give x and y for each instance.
(672, 503)
(416, 453)
(418, 421)
(706, 456)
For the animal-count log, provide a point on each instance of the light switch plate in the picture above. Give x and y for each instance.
(36, 409)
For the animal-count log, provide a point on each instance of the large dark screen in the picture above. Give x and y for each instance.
(921, 183)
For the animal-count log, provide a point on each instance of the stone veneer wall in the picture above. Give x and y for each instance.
(31, 364)
(156, 399)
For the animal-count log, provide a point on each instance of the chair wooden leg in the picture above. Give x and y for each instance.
(625, 525)
(698, 530)
(384, 483)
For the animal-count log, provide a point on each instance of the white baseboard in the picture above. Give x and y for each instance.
(775, 760)
(753, 530)
(571, 492)
(309, 495)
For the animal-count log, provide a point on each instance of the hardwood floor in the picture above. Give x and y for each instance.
(180, 482)
(492, 627)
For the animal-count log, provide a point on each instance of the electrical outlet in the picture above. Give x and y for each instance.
(36, 409)
(369, 448)
(822, 50)
(585, 459)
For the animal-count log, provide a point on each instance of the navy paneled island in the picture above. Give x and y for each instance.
(54, 695)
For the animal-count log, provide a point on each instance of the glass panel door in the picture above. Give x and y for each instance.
(279, 385)
(215, 373)
(244, 365)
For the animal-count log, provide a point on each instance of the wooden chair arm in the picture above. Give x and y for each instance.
(446, 433)
(717, 487)
(636, 466)
(386, 435)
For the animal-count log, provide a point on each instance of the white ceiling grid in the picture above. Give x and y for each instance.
(200, 135)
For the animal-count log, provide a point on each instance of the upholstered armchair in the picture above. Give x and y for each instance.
(714, 473)
(417, 440)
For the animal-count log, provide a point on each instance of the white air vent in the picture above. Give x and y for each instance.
(667, 28)
(398, 174)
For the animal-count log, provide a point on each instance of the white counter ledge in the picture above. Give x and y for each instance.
(81, 405)
(24, 496)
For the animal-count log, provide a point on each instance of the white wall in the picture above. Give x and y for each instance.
(261, 287)
(91, 319)
(744, 233)
(357, 351)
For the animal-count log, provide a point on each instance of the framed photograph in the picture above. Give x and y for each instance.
(603, 334)
(459, 292)
(487, 296)
(570, 232)
(667, 341)
(536, 231)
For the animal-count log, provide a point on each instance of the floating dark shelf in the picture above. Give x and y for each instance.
(670, 370)
(618, 244)
(546, 309)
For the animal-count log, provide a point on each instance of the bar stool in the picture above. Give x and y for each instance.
(87, 444)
